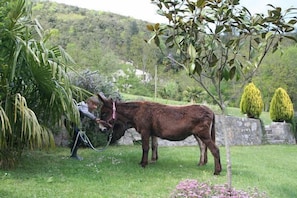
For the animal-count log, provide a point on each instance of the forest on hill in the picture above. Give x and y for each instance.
(107, 42)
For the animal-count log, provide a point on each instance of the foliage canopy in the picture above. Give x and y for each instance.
(211, 38)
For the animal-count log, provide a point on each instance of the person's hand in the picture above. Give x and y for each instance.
(97, 120)
(101, 125)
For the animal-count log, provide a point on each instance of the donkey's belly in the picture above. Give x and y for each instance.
(174, 137)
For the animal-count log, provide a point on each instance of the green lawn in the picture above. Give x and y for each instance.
(115, 172)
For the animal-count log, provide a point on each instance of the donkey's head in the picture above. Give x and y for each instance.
(107, 110)
(108, 114)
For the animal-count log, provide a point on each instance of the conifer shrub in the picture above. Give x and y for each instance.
(251, 102)
(281, 106)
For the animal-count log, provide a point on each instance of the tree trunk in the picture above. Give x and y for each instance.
(228, 153)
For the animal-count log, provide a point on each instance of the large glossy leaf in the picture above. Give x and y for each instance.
(232, 72)
(201, 3)
(213, 60)
(198, 68)
(218, 29)
(192, 52)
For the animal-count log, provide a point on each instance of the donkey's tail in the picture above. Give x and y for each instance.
(213, 129)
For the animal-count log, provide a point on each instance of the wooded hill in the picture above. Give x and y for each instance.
(108, 42)
(96, 39)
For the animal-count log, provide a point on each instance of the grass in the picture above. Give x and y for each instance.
(115, 172)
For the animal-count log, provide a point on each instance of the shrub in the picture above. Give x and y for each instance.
(171, 90)
(281, 106)
(194, 94)
(93, 82)
(251, 101)
(192, 188)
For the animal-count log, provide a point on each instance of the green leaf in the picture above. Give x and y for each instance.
(201, 3)
(225, 74)
(232, 72)
(268, 35)
(192, 68)
(192, 52)
(213, 61)
(157, 40)
(169, 39)
(219, 28)
(292, 21)
(289, 29)
(198, 68)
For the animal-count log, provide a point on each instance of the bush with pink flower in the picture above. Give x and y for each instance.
(191, 188)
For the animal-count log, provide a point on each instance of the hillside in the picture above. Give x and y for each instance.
(107, 42)
(96, 39)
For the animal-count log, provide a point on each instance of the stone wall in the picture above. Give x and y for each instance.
(279, 133)
(240, 131)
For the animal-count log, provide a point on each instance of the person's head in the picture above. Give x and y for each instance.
(93, 103)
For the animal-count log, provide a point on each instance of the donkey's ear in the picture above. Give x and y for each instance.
(101, 97)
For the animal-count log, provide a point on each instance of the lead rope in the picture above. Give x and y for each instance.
(86, 140)
(83, 136)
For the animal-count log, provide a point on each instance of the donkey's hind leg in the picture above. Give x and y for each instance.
(203, 151)
(154, 144)
(216, 154)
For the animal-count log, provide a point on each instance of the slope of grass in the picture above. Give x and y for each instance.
(116, 172)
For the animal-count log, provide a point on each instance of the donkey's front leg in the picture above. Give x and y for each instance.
(145, 148)
(154, 148)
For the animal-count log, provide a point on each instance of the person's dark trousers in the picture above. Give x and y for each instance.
(76, 142)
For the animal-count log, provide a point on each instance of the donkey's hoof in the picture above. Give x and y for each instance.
(143, 164)
(216, 173)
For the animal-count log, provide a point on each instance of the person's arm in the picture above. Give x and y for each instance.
(83, 109)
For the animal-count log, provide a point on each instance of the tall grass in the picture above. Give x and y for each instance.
(116, 172)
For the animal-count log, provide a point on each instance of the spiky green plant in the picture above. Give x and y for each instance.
(34, 87)
(251, 101)
(281, 106)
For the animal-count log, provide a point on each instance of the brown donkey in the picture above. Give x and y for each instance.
(173, 123)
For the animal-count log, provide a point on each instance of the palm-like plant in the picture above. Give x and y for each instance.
(34, 87)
